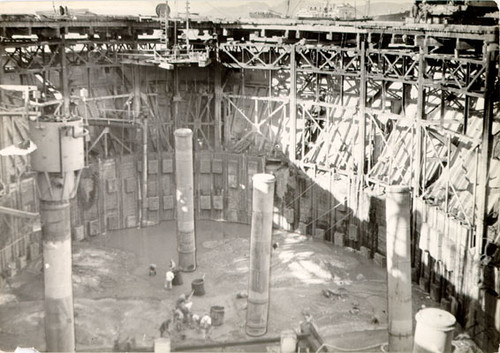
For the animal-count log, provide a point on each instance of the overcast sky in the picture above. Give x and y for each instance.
(137, 7)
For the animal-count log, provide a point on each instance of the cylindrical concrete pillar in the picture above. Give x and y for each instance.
(399, 269)
(434, 331)
(184, 179)
(260, 254)
(59, 318)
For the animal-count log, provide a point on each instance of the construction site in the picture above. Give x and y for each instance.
(317, 179)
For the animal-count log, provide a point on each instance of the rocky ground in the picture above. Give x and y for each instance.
(118, 307)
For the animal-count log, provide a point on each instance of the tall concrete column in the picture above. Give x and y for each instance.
(184, 179)
(56, 239)
(260, 254)
(58, 160)
(399, 304)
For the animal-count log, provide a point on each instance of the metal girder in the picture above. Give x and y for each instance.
(263, 125)
(261, 56)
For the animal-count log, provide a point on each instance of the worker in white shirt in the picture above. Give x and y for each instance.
(205, 325)
(169, 277)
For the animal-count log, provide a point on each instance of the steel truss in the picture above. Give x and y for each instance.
(380, 104)
(420, 99)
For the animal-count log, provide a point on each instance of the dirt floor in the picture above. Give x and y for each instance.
(118, 307)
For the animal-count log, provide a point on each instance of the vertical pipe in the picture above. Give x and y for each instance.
(59, 316)
(293, 106)
(260, 254)
(399, 269)
(64, 77)
(144, 188)
(184, 179)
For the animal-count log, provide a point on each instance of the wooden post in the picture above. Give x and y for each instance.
(2, 53)
(484, 159)
(293, 107)
(144, 205)
(360, 153)
(218, 107)
(63, 76)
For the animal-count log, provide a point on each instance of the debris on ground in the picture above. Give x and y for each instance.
(241, 295)
(333, 294)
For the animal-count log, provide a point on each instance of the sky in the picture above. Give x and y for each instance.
(133, 7)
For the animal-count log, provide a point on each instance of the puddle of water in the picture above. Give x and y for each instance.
(158, 244)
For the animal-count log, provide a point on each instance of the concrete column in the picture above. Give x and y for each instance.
(184, 179)
(59, 317)
(58, 161)
(399, 269)
(434, 331)
(260, 254)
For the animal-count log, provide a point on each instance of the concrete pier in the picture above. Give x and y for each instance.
(399, 269)
(59, 316)
(184, 180)
(58, 161)
(260, 254)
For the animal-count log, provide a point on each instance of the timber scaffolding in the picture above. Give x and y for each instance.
(355, 106)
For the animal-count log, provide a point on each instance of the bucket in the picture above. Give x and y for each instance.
(177, 281)
(217, 315)
(198, 287)
(434, 331)
(288, 342)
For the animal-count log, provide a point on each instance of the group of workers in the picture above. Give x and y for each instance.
(182, 315)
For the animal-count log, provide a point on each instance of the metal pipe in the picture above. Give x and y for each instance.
(184, 180)
(144, 205)
(56, 240)
(260, 254)
(399, 304)
(201, 347)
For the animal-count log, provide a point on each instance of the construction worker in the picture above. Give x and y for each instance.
(184, 304)
(205, 325)
(152, 270)
(169, 277)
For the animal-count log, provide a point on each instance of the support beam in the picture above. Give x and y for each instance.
(218, 106)
(184, 180)
(485, 152)
(144, 187)
(260, 254)
(293, 107)
(399, 306)
(18, 213)
(63, 76)
(362, 127)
